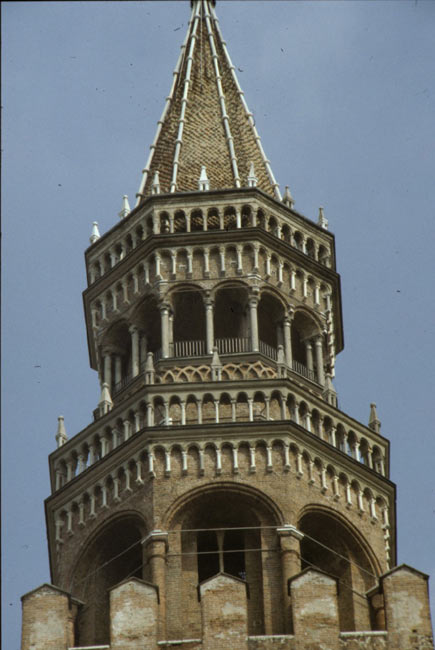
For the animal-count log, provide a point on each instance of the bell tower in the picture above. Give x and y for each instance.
(219, 498)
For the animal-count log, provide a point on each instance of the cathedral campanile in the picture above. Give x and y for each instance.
(219, 499)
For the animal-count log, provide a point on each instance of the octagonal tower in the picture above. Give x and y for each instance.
(219, 490)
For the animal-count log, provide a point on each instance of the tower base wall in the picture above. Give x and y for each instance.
(49, 617)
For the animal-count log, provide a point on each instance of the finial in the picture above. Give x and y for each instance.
(287, 199)
(216, 366)
(203, 182)
(61, 436)
(329, 392)
(125, 210)
(252, 179)
(105, 404)
(149, 369)
(155, 185)
(95, 234)
(322, 220)
(374, 421)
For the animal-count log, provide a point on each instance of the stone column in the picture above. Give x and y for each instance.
(319, 359)
(206, 262)
(222, 259)
(209, 325)
(155, 546)
(171, 333)
(134, 332)
(256, 260)
(107, 368)
(164, 314)
(118, 369)
(253, 304)
(239, 250)
(309, 353)
(143, 348)
(157, 262)
(288, 339)
(289, 538)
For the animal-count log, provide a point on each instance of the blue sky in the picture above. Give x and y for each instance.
(343, 95)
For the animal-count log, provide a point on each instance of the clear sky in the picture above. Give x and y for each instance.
(343, 95)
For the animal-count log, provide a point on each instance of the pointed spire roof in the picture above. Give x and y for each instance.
(206, 121)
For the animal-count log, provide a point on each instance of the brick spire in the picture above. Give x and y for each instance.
(206, 121)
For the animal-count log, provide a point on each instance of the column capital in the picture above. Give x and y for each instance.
(111, 349)
(289, 313)
(156, 535)
(288, 530)
(164, 306)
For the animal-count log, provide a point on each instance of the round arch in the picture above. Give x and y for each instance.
(332, 544)
(226, 528)
(112, 553)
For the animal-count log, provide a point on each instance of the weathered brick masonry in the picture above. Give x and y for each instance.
(219, 499)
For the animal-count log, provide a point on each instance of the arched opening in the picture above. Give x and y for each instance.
(286, 234)
(323, 256)
(147, 318)
(231, 319)
(311, 250)
(213, 221)
(329, 545)
(114, 555)
(224, 531)
(246, 216)
(164, 223)
(189, 331)
(298, 240)
(230, 221)
(270, 317)
(179, 221)
(303, 331)
(117, 343)
(196, 221)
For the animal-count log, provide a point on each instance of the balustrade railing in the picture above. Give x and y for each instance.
(233, 345)
(268, 350)
(189, 349)
(303, 370)
(122, 384)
